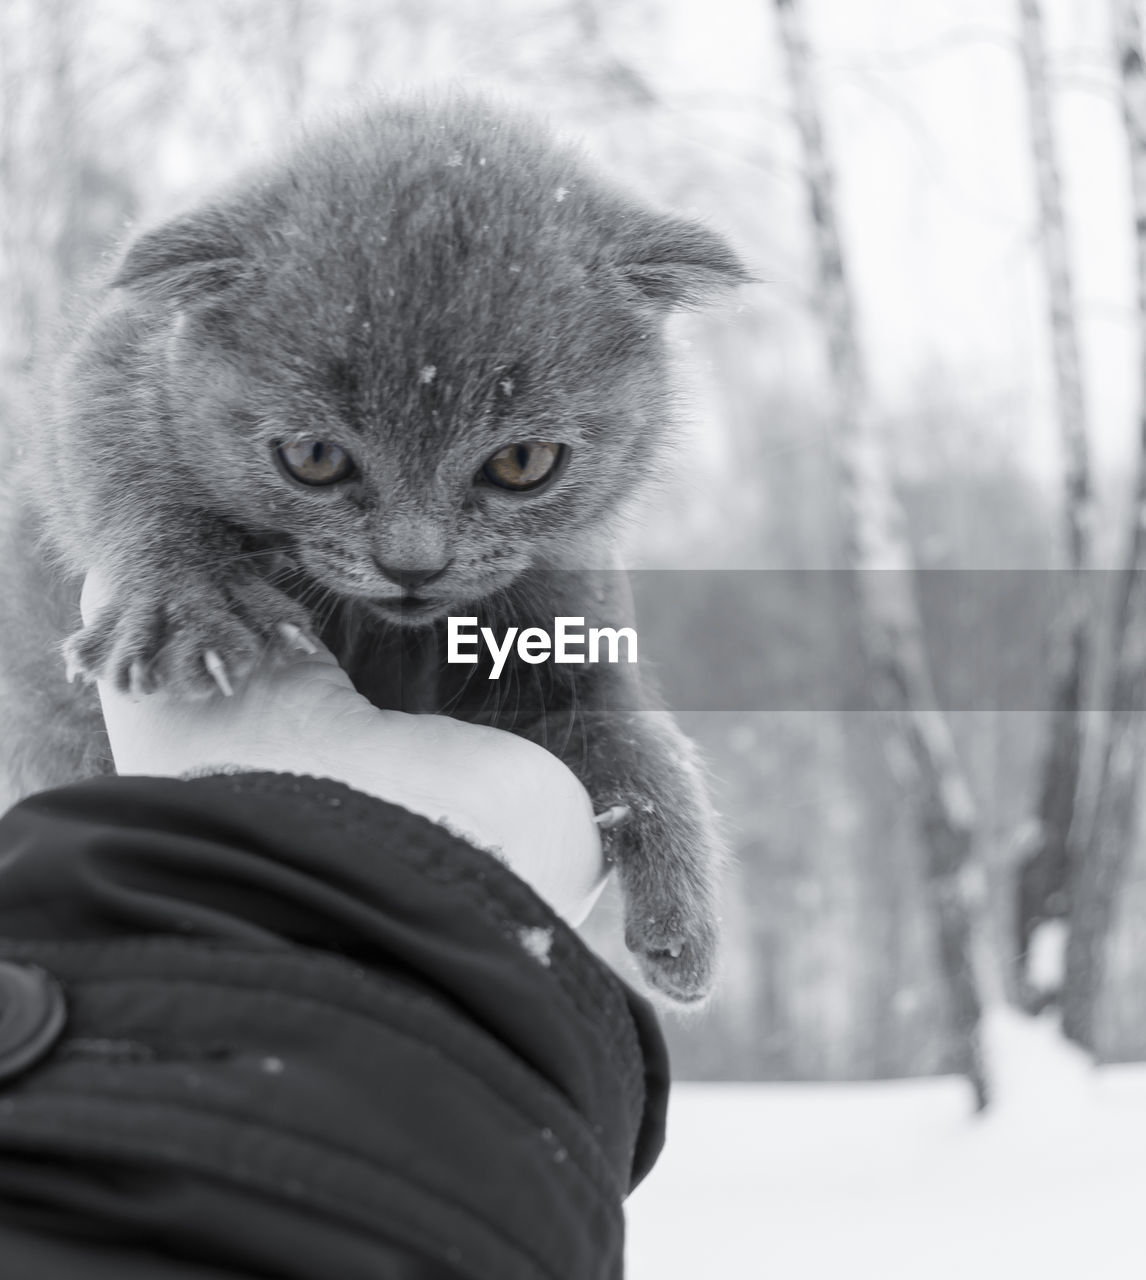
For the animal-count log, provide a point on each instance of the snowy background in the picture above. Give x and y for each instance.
(893, 1181)
(825, 1130)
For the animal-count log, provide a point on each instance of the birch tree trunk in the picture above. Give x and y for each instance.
(919, 742)
(1099, 876)
(1044, 874)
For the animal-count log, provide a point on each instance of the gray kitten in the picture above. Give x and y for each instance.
(415, 369)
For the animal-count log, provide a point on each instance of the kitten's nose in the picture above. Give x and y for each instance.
(409, 579)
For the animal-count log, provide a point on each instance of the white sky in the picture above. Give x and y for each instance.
(927, 120)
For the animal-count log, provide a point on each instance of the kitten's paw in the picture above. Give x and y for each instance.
(670, 921)
(675, 948)
(194, 637)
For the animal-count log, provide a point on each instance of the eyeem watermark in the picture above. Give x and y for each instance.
(568, 643)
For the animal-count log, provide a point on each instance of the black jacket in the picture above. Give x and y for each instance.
(260, 1025)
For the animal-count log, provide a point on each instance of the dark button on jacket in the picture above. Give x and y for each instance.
(32, 1015)
(306, 1034)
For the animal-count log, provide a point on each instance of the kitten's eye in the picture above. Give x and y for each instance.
(316, 462)
(523, 466)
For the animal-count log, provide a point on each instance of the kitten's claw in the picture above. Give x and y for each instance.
(189, 634)
(137, 679)
(613, 817)
(218, 672)
(297, 638)
(72, 669)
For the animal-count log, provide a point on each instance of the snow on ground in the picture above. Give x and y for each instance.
(900, 1180)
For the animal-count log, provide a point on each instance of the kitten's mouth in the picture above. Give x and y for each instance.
(408, 607)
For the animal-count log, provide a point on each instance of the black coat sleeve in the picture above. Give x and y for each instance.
(305, 1034)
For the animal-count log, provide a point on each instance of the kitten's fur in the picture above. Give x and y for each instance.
(423, 285)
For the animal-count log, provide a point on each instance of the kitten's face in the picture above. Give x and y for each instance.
(430, 359)
(464, 445)
(425, 470)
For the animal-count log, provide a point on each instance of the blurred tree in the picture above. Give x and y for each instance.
(919, 741)
(616, 77)
(1100, 875)
(296, 19)
(65, 200)
(1048, 842)
(832, 968)
(41, 166)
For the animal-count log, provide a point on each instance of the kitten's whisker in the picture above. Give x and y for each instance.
(572, 719)
(515, 686)
(330, 600)
(453, 702)
(544, 709)
(221, 560)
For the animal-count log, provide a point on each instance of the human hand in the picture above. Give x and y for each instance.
(302, 715)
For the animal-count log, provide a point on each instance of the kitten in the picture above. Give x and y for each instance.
(414, 369)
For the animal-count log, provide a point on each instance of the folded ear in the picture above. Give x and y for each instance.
(678, 263)
(190, 259)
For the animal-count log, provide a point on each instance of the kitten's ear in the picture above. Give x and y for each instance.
(675, 262)
(191, 259)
